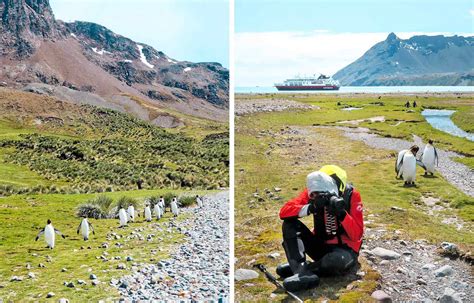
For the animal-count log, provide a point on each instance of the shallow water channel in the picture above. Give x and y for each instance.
(441, 120)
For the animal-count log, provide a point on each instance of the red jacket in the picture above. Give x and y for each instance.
(353, 222)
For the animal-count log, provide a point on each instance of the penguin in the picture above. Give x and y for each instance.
(199, 201)
(85, 227)
(123, 217)
(406, 165)
(131, 213)
(158, 211)
(174, 207)
(429, 158)
(147, 213)
(49, 234)
(161, 203)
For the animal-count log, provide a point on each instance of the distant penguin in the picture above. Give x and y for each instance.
(174, 207)
(147, 213)
(199, 201)
(429, 158)
(49, 234)
(85, 227)
(406, 165)
(131, 213)
(161, 203)
(158, 212)
(123, 217)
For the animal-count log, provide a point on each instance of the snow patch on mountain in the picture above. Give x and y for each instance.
(142, 56)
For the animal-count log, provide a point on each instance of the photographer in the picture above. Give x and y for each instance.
(338, 227)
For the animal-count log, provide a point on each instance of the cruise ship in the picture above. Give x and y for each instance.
(322, 82)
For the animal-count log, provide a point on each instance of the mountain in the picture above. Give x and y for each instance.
(420, 60)
(80, 61)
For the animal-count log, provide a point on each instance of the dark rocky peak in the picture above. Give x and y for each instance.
(28, 18)
(391, 37)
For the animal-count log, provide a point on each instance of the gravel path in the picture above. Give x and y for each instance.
(416, 272)
(268, 105)
(456, 173)
(198, 270)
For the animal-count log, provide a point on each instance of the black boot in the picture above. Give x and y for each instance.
(302, 280)
(284, 270)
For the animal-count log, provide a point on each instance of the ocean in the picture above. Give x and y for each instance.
(360, 89)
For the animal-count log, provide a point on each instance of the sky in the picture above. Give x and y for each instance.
(191, 30)
(275, 40)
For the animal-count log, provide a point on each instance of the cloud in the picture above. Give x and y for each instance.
(471, 12)
(262, 58)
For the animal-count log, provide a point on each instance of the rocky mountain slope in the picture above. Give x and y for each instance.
(87, 57)
(420, 60)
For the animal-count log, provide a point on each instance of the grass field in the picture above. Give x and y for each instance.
(280, 149)
(22, 216)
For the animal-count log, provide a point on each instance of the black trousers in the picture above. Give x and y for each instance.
(330, 260)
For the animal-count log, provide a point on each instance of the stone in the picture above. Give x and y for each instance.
(92, 277)
(63, 300)
(242, 274)
(384, 262)
(95, 282)
(31, 275)
(428, 266)
(129, 258)
(121, 266)
(397, 208)
(70, 285)
(420, 281)
(81, 282)
(444, 271)
(16, 279)
(274, 255)
(385, 254)
(63, 269)
(41, 265)
(50, 294)
(450, 296)
(381, 296)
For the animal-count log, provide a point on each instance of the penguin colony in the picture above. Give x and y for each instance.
(124, 216)
(405, 165)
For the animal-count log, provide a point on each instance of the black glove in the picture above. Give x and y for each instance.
(336, 207)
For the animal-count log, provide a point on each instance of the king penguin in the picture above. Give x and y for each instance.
(147, 213)
(161, 203)
(131, 213)
(158, 212)
(174, 207)
(406, 165)
(429, 158)
(123, 217)
(85, 227)
(49, 234)
(199, 201)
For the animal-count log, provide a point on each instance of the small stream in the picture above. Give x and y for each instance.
(441, 120)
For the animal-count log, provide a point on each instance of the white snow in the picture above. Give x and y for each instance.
(187, 69)
(157, 57)
(100, 52)
(142, 56)
(128, 61)
(396, 63)
(72, 34)
(171, 61)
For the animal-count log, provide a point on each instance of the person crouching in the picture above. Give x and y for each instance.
(334, 243)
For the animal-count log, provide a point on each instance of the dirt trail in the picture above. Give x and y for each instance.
(454, 172)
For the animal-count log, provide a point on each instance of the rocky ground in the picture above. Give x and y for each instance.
(268, 105)
(198, 270)
(454, 172)
(414, 271)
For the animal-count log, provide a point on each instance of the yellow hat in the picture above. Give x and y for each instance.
(337, 173)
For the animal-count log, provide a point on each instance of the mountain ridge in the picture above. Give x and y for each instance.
(419, 60)
(86, 56)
